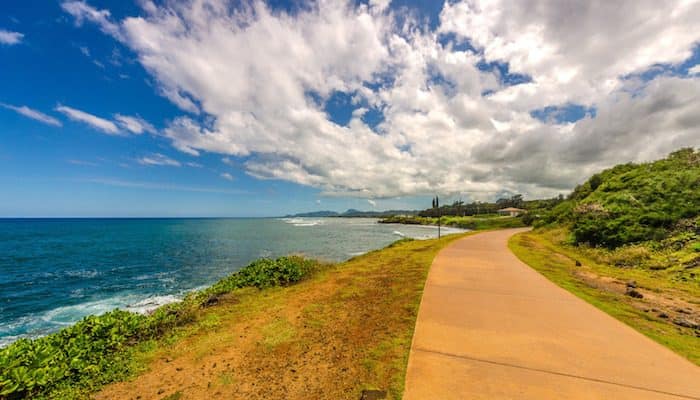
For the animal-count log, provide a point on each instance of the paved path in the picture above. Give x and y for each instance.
(490, 327)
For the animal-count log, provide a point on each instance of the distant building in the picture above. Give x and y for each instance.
(511, 211)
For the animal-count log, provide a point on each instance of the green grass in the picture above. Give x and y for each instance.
(543, 251)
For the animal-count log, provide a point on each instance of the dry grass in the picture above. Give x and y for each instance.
(346, 329)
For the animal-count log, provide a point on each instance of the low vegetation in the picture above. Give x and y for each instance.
(101, 349)
(481, 222)
(634, 203)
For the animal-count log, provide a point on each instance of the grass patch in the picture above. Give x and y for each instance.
(604, 285)
(277, 332)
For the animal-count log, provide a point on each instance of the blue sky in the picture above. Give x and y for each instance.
(74, 170)
(329, 128)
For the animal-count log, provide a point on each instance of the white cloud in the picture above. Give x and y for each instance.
(227, 176)
(694, 70)
(161, 186)
(261, 80)
(194, 164)
(372, 202)
(136, 125)
(82, 12)
(96, 122)
(83, 163)
(10, 38)
(33, 114)
(121, 125)
(158, 159)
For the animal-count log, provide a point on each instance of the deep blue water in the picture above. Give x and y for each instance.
(55, 271)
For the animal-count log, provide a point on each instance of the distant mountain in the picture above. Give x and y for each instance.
(352, 213)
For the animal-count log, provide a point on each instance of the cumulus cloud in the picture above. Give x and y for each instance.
(10, 38)
(158, 159)
(94, 121)
(694, 70)
(259, 82)
(33, 114)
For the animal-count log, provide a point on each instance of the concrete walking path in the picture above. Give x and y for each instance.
(490, 327)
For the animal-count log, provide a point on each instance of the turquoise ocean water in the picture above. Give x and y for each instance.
(55, 271)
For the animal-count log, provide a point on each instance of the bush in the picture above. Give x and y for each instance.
(633, 203)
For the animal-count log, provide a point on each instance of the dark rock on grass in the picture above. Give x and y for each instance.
(578, 263)
(663, 315)
(373, 395)
(632, 284)
(631, 292)
(210, 301)
(686, 323)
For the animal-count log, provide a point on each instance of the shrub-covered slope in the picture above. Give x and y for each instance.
(633, 203)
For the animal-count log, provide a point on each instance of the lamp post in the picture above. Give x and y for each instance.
(436, 204)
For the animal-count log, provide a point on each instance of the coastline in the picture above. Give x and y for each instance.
(76, 268)
(192, 318)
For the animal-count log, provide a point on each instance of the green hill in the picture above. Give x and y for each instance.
(633, 203)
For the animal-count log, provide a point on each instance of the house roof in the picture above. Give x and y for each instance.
(511, 209)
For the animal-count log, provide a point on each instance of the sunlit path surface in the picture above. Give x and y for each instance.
(489, 327)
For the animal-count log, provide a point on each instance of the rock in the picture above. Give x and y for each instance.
(210, 301)
(631, 292)
(686, 323)
(663, 315)
(683, 311)
(578, 263)
(632, 284)
(373, 395)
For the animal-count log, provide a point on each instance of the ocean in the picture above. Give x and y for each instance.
(53, 272)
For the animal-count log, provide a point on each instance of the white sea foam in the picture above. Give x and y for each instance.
(302, 221)
(147, 305)
(397, 233)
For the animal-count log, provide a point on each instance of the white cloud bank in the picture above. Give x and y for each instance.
(262, 78)
(33, 114)
(10, 38)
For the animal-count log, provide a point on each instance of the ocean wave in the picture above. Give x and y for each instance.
(147, 305)
(397, 233)
(82, 273)
(40, 324)
(302, 221)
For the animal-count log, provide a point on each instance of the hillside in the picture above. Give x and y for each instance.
(633, 203)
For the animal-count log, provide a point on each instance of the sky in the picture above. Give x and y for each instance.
(251, 108)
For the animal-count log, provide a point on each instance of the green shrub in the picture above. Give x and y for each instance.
(633, 203)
